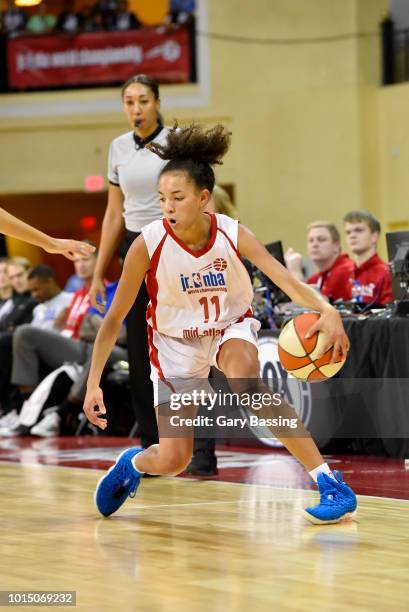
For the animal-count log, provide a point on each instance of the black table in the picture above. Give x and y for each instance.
(366, 407)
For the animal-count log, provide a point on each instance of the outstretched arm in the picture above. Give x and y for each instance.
(135, 267)
(300, 293)
(12, 226)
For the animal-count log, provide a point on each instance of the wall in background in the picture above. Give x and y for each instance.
(394, 156)
(304, 117)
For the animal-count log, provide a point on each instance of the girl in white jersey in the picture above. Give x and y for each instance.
(200, 315)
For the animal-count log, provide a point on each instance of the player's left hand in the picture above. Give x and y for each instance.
(70, 248)
(331, 324)
(94, 407)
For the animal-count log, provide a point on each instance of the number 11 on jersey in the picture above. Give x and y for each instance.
(204, 301)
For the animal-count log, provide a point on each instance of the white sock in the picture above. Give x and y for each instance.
(133, 463)
(324, 467)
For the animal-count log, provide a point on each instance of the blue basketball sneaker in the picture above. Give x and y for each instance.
(119, 483)
(337, 501)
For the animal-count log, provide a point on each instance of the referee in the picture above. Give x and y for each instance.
(133, 202)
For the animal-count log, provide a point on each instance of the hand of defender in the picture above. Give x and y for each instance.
(94, 408)
(336, 338)
(70, 248)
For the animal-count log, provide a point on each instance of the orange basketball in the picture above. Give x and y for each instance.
(298, 353)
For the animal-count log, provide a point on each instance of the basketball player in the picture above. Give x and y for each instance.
(190, 329)
(12, 226)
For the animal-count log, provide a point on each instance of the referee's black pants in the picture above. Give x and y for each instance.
(139, 364)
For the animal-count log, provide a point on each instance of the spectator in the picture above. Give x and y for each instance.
(13, 20)
(6, 290)
(62, 418)
(324, 250)
(32, 346)
(42, 21)
(70, 319)
(51, 300)
(181, 11)
(22, 303)
(369, 280)
(73, 284)
(122, 19)
(69, 21)
(19, 312)
(91, 20)
(106, 6)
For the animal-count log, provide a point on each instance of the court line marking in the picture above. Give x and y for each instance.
(183, 479)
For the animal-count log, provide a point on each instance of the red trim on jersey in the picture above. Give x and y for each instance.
(154, 359)
(246, 315)
(230, 242)
(152, 283)
(154, 354)
(233, 247)
(209, 245)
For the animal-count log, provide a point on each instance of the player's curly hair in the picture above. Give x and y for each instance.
(194, 149)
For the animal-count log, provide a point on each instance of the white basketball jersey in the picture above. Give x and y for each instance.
(196, 293)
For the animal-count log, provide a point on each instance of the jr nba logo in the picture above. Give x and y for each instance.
(205, 277)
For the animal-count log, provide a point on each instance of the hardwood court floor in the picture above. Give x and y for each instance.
(197, 546)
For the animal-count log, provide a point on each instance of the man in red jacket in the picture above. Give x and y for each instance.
(370, 280)
(324, 250)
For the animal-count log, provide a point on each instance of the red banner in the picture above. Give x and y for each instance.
(97, 58)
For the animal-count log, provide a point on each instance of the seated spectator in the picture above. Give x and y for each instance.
(50, 300)
(64, 350)
(73, 284)
(324, 250)
(62, 419)
(122, 19)
(370, 280)
(42, 21)
(19, 312)
(46, 292)
(22, 304)
(6, 290)
(32, 346)
(69, 21)
(70, 319)
(13, 20)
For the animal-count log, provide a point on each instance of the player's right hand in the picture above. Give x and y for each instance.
(97, 294)
(94, 407)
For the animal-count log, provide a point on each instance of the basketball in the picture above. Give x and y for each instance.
(298, 353)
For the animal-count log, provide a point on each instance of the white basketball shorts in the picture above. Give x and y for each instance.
(175, 359)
